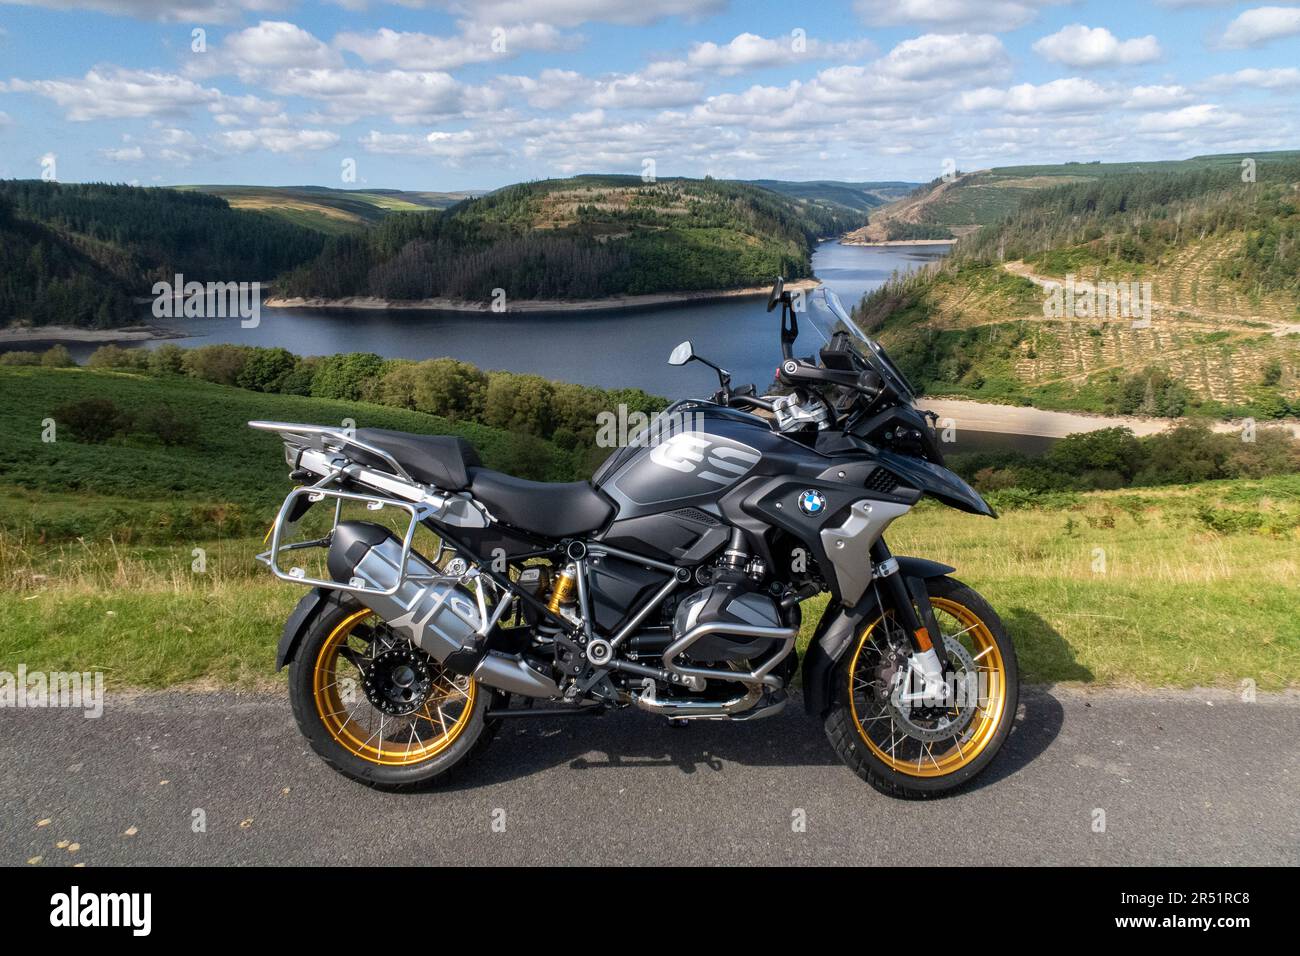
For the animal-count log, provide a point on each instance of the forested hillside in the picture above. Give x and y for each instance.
(961, 202)
(581, 238)
(859, 197)
(77, 254)
(1221, 260)
(327, 210)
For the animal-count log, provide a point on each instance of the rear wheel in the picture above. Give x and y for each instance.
(922, 748)
(377, 708)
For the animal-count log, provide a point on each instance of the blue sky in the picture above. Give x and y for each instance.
(473, 94)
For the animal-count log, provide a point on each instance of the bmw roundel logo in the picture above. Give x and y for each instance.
(812, 502)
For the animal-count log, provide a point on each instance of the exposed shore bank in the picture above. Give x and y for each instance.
(612, 303)
(66, 333)
(1040, 423)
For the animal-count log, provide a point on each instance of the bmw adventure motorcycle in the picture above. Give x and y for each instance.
(671, 582)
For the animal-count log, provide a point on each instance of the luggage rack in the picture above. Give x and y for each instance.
(326, 450)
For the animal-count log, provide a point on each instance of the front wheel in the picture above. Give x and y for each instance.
(378, 709)
(921, 748)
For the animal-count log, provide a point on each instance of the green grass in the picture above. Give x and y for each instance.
(228, 484)
(1199, 585)
(1135, 589)
(1178, 603)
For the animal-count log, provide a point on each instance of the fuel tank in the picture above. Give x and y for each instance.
(667, 483)
(694, 457)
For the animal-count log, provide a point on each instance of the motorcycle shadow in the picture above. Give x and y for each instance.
(631, 739)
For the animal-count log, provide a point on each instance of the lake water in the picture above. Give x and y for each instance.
(615, 349)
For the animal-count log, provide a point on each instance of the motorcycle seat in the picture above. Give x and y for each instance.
(441, 460)
(549, 509)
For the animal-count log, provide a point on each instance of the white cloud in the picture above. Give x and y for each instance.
(277, 140)
(1156, 97)
(1087, 47)
(634, 91)
(116, 93)
(123, 154)
(1279, 78)
(455, 147)
(996, 15)
(938, 54)
(407, 97)
(274, 43)
(749, 51)
(1258, 26)
(1071, 95)
(5, 120)
(185, 11)
(1189, 117)
(423, 51)
(572, 13)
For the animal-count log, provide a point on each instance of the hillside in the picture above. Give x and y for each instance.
(587, 237)
(78, 254)
(858, 197)
(968, 200)
(1222, 259)
(327, 210)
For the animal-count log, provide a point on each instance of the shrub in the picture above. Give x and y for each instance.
(167, 425)
(19, 358)
(519, 403)
(298, 382)
(221, 364)
(167, 359)
(57, 356)
(1108, 449)
(1187, 453)
(92, 420)
(266, 370)
(116, 357)
(346, 376)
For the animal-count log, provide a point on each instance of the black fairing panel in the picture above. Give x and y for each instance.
(685, 536)
(937, 482)
(618, 586)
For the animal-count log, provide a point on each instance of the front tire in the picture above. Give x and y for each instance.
(903, 750)
(377, 709)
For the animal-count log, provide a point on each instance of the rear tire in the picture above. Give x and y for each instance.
(379, 754)
(876, 753)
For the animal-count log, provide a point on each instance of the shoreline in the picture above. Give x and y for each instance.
(1041, 423)
(67, 333)
(896, 242)
(531, 306)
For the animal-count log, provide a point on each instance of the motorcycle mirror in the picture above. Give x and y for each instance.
(778, 293)
(682, 354)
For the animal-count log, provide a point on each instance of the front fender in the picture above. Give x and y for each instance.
(840, 624)
(311, 604)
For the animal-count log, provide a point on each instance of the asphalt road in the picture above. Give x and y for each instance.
(1189, 778)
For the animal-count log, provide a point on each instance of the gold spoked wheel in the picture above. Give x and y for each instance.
(928, 741)
(384, 700)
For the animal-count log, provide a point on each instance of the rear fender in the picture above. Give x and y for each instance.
(312, 603)
(838, 627)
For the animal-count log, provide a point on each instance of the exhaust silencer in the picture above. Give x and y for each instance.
(439, 614)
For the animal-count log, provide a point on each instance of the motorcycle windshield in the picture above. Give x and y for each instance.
(829, 316)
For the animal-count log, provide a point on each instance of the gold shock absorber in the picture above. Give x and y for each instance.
(562, 593)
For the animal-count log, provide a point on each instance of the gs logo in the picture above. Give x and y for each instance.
(715, 461)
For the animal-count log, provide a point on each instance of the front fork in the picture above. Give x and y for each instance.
(910, 600)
